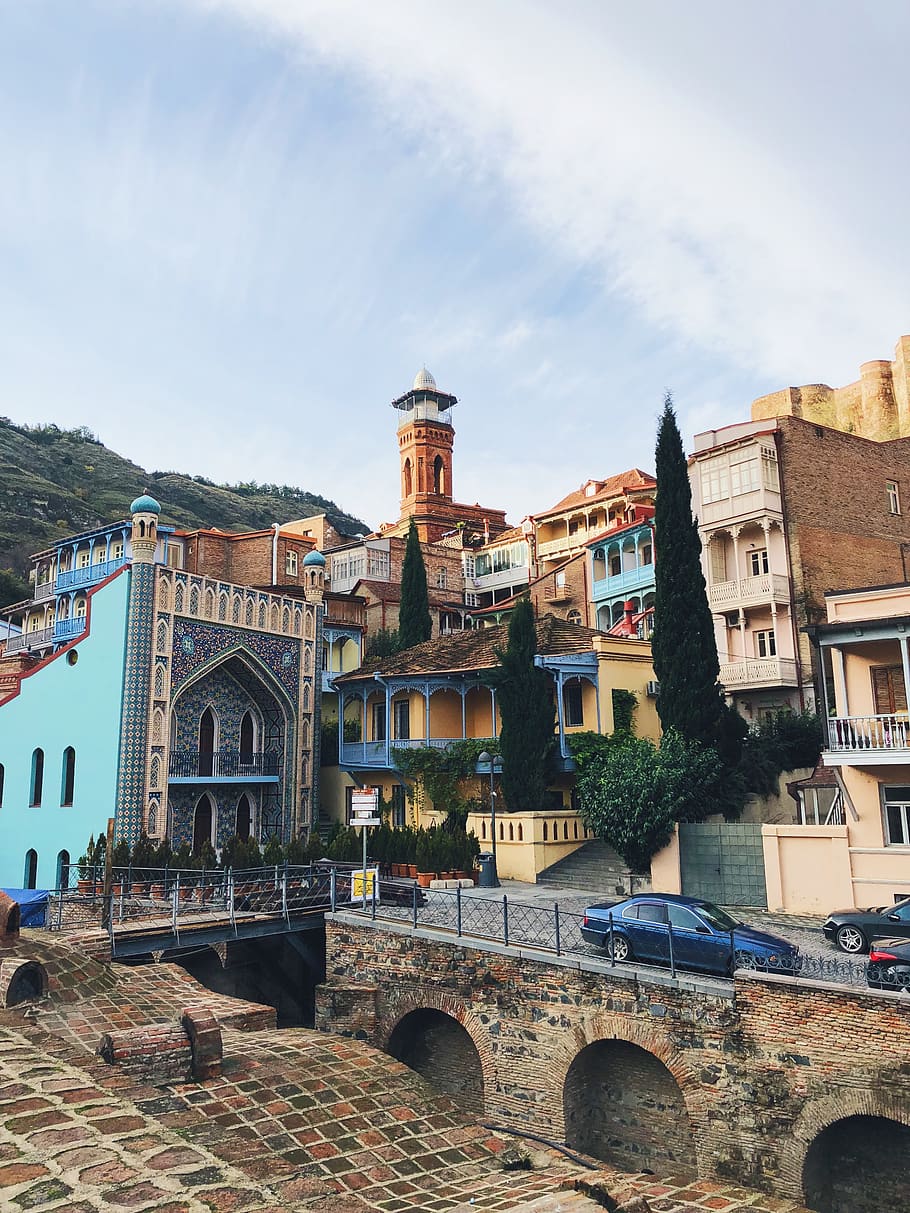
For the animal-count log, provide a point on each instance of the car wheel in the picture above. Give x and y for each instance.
(851, 939)
(620, 949)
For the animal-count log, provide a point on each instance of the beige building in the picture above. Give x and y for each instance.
(850, 843)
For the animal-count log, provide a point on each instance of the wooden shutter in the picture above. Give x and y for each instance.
(888, 690)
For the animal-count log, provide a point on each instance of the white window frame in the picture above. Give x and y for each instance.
(758, 562)
(744, 477)
(714, 483)
(290, 563)
(894, 496)
(902, 804)
(768, 641)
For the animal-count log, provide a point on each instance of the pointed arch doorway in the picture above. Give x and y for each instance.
(203, 819)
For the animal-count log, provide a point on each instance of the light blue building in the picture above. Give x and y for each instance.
(181, 706)
(622, 568)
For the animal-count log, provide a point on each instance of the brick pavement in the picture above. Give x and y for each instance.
(296, 1120)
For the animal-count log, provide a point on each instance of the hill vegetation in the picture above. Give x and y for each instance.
(56, 482)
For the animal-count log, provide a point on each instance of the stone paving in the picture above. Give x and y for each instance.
(296, 1120)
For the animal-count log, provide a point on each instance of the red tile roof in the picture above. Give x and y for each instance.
(613, 486)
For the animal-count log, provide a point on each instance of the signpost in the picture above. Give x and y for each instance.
(365, 813)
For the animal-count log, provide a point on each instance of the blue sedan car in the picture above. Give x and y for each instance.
(702, 935)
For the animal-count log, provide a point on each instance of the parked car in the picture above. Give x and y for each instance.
(889, 965)
(854, 930)
(704, 936)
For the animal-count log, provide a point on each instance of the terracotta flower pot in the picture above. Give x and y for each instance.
(84, 885)
(412, 870)
(424, 878)
(158, 892)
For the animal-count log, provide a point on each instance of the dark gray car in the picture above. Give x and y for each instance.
(853, 930)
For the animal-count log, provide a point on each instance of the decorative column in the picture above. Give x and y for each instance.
(129, 818)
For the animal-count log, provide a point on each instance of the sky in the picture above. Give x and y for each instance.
(232, 231)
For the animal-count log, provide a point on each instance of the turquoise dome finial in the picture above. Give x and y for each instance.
(314, 558)
(145, 505)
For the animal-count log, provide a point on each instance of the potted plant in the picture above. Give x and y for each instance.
(208, 861)
(425, 854)
(183, 862)
(161, 861)
(410, 835)
(141, 858)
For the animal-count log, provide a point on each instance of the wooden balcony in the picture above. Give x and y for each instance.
(748, 591)
(749, 674)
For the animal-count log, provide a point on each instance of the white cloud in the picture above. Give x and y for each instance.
(685, 202)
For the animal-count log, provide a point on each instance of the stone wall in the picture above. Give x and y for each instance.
(735, 1080)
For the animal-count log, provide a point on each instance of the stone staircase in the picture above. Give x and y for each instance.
(595, 867)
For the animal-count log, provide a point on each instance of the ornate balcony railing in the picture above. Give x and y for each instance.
(223, 764)
(44, 589)
(887, 732)
(749, 591)
(628, 579)
(65, 629)
(30, 640)
(88, 573)
(767, 671)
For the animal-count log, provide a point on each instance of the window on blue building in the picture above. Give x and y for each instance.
(69, 776)
(1, 785)
(572, 705)
(30, 878)
(63, 870)
(37, 781)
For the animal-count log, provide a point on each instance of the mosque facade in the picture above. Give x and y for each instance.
(178, 704)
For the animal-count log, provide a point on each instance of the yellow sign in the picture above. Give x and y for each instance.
(357, 884)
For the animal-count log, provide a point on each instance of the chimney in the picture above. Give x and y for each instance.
(629, 608)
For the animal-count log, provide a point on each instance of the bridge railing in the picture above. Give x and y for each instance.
(555, 930)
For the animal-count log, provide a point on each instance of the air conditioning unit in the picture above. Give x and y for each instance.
(653, 688)
(731, 618)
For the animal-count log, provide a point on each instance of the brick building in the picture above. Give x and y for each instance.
(788, 509)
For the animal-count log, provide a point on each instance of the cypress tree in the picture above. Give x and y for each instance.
(524, 694)
(683, 646)
(415, 623)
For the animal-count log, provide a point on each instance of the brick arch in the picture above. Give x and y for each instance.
(454, 1007)
(631, 1031)
(818, 1115)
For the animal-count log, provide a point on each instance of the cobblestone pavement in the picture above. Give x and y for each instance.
(296, 1120)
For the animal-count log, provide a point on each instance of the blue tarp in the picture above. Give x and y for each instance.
(32, 904)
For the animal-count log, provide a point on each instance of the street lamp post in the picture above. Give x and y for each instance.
(483, 759)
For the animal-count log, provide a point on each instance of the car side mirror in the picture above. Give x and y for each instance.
(703, 931)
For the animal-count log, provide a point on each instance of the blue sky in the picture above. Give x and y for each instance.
(231, 231)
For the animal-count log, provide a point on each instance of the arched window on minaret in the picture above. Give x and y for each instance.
(407, 479)
(439, 475)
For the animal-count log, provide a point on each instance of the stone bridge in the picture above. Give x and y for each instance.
(797, 1089)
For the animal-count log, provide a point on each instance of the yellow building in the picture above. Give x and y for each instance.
(435, 696)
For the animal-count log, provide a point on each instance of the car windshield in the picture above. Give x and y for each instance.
(718, 918)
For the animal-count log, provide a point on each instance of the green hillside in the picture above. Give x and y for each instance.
(57, 482)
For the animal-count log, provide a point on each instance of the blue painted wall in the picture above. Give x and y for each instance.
(62, 705)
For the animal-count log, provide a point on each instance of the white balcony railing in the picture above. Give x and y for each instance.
(762, 672)
(889, 732)
(748, 591)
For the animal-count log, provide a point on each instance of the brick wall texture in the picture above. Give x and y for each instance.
(645, 1073)
(840, 530)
